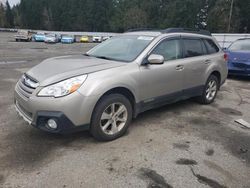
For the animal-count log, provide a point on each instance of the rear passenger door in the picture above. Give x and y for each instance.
(195, 66)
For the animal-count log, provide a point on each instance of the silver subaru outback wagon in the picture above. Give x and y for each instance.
(104, 89)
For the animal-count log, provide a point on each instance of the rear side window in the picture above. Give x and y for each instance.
(169, 49)
(211, 46)
(193, 47)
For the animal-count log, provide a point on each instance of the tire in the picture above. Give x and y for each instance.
(212, 87)
(107, 123)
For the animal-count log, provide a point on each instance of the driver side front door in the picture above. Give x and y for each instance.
(162, 84)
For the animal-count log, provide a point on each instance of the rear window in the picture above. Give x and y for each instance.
(193, 47)
(240, 45)
(211, 46)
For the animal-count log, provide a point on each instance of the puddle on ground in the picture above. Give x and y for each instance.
(155, 179)
(183, 161)
(210, 152)
(181, 146)
(230, 111)
(1, 179)
(207, 181)
(219, 169)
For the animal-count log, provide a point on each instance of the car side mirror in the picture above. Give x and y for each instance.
(156, 59)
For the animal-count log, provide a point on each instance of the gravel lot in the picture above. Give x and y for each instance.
(183, 145)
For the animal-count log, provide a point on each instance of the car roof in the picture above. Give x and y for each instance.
(144, 33)
(181, 31)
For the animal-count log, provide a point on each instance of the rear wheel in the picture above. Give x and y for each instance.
(210, 90)
(111, 117)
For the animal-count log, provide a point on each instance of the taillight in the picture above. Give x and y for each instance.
(226, 57)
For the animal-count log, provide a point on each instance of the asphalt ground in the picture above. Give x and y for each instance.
(183, 145)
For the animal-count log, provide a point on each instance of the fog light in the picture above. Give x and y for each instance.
(52, 124)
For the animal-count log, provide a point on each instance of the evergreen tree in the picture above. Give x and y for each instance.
(120, 15)
(2, 15)
(202, 16)
(9, 16)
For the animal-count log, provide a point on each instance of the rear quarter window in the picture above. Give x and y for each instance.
(211, 46)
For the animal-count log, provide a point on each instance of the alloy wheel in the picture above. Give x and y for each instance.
(211, 90)
(114, 118)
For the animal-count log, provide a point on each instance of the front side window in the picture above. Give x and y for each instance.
(122, 48)
(193, 47)
(169, 49)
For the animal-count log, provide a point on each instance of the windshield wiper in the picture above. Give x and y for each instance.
(100, 57)
(86, 54)
(103, 57)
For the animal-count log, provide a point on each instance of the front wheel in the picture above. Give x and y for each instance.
(111, 117)
(210, 90)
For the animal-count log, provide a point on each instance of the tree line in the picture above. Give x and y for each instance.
(121, 15)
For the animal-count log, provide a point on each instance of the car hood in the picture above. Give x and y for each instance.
(41, 36)
(59, 68)
(67, 38)
(50, 38)
(239, 56)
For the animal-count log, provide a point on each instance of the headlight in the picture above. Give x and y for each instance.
(63, 88)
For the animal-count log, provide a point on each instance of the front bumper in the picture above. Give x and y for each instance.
(83, 40)
(21, 38)
(42, 117)
(50, 41)
(39, 39)
(72, 112)
(66, 41)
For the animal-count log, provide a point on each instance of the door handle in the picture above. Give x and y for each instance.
(179, 67)
(208, 61)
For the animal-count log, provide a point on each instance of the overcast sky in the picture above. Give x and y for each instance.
(12, 2)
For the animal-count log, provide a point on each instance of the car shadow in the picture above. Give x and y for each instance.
(239, 78)
(28, 149)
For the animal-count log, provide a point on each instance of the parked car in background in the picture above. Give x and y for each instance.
(68, 39)
(106, 38)
(39, 37)
(97, 39)
(239, 57)
(84, 39)
(23, 35)
(105, 88)
(52, 38)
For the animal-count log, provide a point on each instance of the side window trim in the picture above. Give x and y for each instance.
(167, 39)
(204, 47)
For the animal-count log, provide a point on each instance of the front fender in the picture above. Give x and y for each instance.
(99, 83)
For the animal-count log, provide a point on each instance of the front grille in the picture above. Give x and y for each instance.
(24, 111)
(24, 88)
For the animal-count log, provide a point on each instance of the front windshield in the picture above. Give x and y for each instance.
(240, 45)
(22, 32)
(122, 48)
(51, 35)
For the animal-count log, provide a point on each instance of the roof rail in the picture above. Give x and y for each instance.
(173, 30)
(142, 29)
(187, 30)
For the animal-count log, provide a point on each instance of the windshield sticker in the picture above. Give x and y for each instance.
(145, 38)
